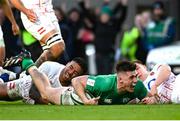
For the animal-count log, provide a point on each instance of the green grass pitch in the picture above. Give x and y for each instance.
(18, 110)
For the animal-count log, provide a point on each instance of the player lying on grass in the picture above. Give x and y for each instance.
(58, 75)
(106, 89)
(160, 82)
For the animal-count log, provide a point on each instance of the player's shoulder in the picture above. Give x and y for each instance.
(157, 67)
(105, 82)
(104, 78)
(139, 85)
(52, 63)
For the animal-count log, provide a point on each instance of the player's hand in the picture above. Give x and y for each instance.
(31, 15)
(153, 90)
(149, 100)
(15, 29)
(93, 101)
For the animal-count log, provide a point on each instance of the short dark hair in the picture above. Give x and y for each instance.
(82, 63)
(138, 62)
(124, 66)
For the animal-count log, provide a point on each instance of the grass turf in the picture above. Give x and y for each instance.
(18, 110)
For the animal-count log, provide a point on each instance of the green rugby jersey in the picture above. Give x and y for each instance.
(105, 86)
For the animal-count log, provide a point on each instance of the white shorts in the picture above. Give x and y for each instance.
(1, 38)
(175, 97)
(19, 89)
(46, 22)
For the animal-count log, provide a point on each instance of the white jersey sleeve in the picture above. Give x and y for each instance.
(165, 89)
(52, 70)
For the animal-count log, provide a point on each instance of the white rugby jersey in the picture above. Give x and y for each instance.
(37, 4)
(52, 70)
(165, 89)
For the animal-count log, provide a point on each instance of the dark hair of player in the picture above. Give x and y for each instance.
(124, 66)
(81, 62)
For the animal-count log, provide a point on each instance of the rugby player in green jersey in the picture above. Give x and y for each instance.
(118, 88)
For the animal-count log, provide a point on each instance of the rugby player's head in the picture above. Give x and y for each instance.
(82, 63)
(141, 70)
(74, 68)
(126, 76)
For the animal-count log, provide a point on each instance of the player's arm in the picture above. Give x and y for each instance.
(42, 82)
(164, 72)
(28, 12)
(79, 84)
(9, 14)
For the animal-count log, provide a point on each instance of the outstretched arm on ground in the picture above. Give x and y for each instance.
(79, 84)
(163, 75)
(41, 81)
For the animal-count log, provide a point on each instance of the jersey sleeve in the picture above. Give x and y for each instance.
(96, 85)
(45, 67)
(140, 90)
(92, 86)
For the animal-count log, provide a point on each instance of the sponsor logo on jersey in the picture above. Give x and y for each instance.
(90, 82)
(109, 101)
(126, 100)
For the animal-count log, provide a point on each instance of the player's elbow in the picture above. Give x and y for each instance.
(166, 68)
(79, 81)
(44, 93)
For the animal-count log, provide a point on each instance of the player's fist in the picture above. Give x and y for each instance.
(93, 101)
(149, 100)
(15, 29)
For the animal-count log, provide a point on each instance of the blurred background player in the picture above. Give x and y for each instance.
(39, 19)
(5, 8)
(160, 31)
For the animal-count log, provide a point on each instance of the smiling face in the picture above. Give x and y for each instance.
(141, 71)
(126, 81)
(71, 70)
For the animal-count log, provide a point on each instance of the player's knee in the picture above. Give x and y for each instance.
(55, 45)
(57, 49)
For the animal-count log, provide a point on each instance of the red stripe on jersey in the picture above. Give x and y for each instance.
(168, 87)
(10, 85)
(42, 31)
(13, 85)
